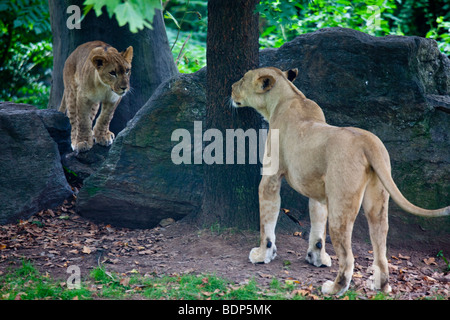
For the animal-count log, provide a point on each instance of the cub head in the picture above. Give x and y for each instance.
(260, 87)
(113, 67)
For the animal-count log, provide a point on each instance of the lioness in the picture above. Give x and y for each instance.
(337, 168)
(94, 73)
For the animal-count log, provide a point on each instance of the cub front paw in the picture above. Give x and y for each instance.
(104, 139)
(258, 255)
(83, 146)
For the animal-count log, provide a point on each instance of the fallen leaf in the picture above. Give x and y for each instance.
(86, 250)
(403, 257)
(427, 278)
(125, 281)
(430, 261)
(265, 275)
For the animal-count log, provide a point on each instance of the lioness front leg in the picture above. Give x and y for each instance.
(316, 254)
(102, 135)
(269, 208)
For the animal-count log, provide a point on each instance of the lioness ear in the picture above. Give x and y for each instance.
(292, 74)
(128, 54)
(98, 61)
(264, 83)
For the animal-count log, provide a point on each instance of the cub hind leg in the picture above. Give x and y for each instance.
(69, 107)
(375, 205)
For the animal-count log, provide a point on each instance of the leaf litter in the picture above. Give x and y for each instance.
(55, 239)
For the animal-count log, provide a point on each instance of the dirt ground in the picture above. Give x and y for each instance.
(56, 239)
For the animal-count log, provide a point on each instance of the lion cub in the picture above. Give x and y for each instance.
(94, 73)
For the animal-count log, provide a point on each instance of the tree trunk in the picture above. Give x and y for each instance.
(231, 190)
(152, 62)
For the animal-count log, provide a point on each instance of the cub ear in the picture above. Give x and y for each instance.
(292, 74)
(264, 83)
(98, 62)
(128, 54)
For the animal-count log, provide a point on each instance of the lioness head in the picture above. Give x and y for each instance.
(113, 68)
(252, 89)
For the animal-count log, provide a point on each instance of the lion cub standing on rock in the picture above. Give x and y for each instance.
(338, 169)
(94, 73)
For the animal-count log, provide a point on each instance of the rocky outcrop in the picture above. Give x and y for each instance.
(396, 87)
(31, 175)
(138, 185)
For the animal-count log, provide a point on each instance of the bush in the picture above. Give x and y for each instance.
(25, 51)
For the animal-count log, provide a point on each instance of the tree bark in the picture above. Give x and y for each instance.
(231, 190)
(152, 62)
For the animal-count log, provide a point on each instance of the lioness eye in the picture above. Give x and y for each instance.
(113, 73)
(127, 71)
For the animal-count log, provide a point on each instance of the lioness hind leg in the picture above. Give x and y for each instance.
(269, 207)
(316, 254)
(341, 219)
(375, 204)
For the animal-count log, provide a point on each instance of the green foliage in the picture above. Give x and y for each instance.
(186, 25)
(26, 283)
(440, 254)
(283, 20)
(25, 51)
(138, 14)
(26, 47)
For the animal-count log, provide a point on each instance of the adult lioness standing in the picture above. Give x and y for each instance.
(337, 168)
(94, 73)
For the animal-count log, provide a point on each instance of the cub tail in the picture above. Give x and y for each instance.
(63, 106)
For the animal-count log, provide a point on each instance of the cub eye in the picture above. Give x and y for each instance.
(113, 73)
(127, 71)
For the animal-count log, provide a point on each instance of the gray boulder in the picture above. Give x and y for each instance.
(395, 87)
(138, 185)
(31, 175)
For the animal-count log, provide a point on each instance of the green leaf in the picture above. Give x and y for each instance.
(126, 13)
(170, 16)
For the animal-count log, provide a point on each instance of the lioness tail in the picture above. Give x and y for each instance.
(377, 154)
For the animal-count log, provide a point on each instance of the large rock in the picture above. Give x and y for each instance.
(31, 175)
(396, 87)
(138, 185)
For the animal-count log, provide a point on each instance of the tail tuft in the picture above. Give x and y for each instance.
(63, 106)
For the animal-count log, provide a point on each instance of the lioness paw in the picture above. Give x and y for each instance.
(105, 139)
(328, 287)
(318, 258)
(258, 255)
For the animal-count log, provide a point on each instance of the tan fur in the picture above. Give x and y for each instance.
(94, 73)
(337, 168)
